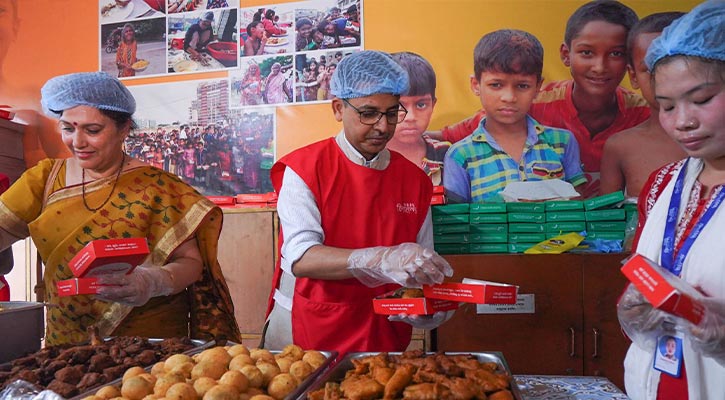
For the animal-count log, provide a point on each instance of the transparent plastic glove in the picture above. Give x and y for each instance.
(426, 322)
(708, 337)
(640, 320)
(407, 264)
(136, 288)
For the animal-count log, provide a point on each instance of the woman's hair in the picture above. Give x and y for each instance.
(128, 26)
(120, 118)
(269, 14)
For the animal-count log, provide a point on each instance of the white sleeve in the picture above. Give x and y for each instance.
(425, 234)
(299, 218)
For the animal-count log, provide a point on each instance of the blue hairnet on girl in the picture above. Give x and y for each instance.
(95, 89)
(700, 33)
(369, 72)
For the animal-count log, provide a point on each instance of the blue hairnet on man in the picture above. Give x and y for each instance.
(356, 222)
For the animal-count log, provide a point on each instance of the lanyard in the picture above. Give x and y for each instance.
(668, 259)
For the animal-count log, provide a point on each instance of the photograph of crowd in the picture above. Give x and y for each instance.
(178, 6)
(327, 27)
(196, 136)
(267, 80)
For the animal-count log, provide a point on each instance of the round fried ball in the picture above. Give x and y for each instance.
(269, 370)
(165, 381)
(236, 379)
(238, 349)
(212, 369)
(158, 369)
(108, 392)
(183, 369)
(284, 363)
(181, 391)
(136, 388)
(258, 354)
(282, 385)
(239, 361)
(176, 359)
(261, 397)
(301, 370)
(215, 354)
(314, 358)
(202, 385)
(293, 351)
(131, 372)
(222, 392)
(254, 375)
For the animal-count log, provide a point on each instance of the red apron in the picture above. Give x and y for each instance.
(360, 207)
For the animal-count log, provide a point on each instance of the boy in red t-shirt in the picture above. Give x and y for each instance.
(591, 105)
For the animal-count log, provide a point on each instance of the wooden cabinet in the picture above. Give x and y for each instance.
(574, 329)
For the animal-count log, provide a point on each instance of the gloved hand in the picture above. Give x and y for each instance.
(640, 320)
(426, 322)
(708, 337)
(136, 288)
(407, 264)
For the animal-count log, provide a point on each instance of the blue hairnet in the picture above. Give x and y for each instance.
(700, 33)
(95, 89)
(366, 73)
(208, 16)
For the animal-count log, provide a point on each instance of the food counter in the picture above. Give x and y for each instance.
(553, 387)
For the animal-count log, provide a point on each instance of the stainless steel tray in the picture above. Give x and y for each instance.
(337, 372)
(330, 356)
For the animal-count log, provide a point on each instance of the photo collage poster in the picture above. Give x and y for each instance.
(219, 135)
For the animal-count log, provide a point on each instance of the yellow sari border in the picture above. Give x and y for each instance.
(12, 223)
(181, 231)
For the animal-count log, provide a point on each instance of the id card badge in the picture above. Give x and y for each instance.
(668, 355)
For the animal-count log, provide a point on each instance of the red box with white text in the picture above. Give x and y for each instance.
(473, 291)
(109, 256)
(664, 290)
(72, 287)
(399, 302)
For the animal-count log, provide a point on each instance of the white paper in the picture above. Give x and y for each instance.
(538, 190)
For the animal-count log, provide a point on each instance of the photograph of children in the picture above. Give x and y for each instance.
(313, 72)
(178, 6)
(324, 25)
(187, 128)
(268, 30)
(202, 41)
(134, 48)
(267, 80)
(123, 10)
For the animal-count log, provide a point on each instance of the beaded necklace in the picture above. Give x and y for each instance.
(83, 186)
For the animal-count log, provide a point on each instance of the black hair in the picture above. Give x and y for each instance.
(302, 22)
(120, 118)
(610, 11)
(653, 23)
(509, 51)
(269, 14)
(421, 75)
(252, 25)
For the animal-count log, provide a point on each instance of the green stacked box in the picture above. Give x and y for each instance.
(606, 216)
(488, 226)
(450, 228)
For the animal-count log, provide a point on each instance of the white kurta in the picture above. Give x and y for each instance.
(704, 268)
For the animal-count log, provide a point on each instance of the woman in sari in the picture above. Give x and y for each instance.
(126, 52)
(100, 193)
(274, 87)
(252, 86)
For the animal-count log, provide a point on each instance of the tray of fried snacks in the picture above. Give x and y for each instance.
(69, 370)
(228, 371)
(416, 375)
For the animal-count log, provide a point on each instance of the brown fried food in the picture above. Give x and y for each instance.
(501, 395)
(400, 379)
(382, 374)
(426, 391)
(411, 293)
(489, 381)
(361, 388)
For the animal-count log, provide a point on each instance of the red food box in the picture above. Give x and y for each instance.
(437, 199)
(391, 304)
(72, 287)
(664, 290)
(109, 256)
(222, 200)
(270, 197)
(439, 189)
(473, 291)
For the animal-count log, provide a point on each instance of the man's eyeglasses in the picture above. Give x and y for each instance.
(371, 117)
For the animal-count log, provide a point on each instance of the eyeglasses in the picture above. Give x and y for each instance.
(371, 117)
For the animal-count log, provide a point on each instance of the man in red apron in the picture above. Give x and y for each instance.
(355, 223)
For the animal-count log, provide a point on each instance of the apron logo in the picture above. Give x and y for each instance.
(407, 208)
